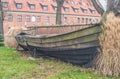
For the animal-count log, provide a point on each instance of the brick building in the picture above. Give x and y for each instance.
(19, 13)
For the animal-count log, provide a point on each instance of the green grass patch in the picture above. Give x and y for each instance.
(80, 74)
(14, 65)
(11, 66)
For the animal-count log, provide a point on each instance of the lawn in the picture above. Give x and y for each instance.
(14, 65)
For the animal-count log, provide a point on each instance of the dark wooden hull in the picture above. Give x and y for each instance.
(79, 47)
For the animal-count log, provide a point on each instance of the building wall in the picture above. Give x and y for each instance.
(46, 17)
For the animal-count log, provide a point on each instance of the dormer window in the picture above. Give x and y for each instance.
(32, 6)
(66, 9)
(75, 10)
(45, 7)
(93, 11)
(19, 5)
(84, 10)
(54, 7)
(5, 4)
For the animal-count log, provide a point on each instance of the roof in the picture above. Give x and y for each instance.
(86, 4)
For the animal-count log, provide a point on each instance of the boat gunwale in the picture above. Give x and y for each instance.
(57, 35)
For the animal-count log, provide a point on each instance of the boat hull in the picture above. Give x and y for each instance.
(78, 56)
(79, 47)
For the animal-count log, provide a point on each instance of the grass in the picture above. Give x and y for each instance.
(11, 66)
(14, 65)
(81, 74)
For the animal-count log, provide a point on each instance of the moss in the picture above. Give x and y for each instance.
(71, 42)
(72, 35)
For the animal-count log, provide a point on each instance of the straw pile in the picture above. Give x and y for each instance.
(109, 62)
(9, 38)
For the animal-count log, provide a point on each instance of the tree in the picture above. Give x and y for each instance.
(1, 18)
(112, 6)
(59, 12)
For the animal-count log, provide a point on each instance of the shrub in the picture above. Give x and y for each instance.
(109, 61)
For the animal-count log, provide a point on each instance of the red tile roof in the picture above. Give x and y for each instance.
(86, 4)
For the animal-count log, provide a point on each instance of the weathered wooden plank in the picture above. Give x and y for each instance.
(67, 36)
(72, 42)
(59, 26)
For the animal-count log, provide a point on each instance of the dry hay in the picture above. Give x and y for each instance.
(9, 38)
(109, 62)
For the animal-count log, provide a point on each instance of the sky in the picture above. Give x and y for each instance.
(103, 3)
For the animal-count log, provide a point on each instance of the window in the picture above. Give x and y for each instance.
(90, 20)
(45, 7)
(33, 19)
(32, 6)
(84, 10)
(65, 19)
(55, 8)
(66, 9)
(47, 19)
(19, 18)
(27, 18)
(5, 4)
(10, 18)
(86, 20)
(82, 20)
(38, 18)
(75, 10)
(19, 5)
(93, 11)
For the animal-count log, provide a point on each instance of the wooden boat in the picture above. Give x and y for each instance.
(77, 47)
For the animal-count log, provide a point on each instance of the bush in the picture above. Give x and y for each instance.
(109, 61)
